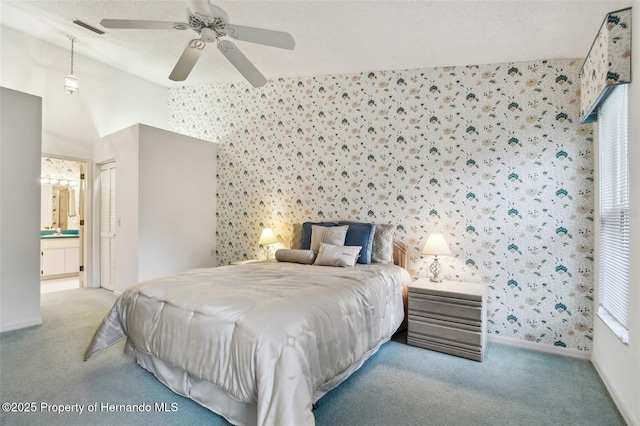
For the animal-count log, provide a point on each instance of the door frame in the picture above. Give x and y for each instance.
(85, 211)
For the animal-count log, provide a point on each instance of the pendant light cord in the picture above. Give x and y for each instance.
(72, 43)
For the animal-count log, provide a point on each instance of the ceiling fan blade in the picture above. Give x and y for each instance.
(242, 64)
(199, 6)
(133, 24)
(188, 60)
(261, 36)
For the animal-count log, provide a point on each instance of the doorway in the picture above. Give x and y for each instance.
(62, 224)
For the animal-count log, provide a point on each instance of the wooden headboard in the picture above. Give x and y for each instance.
(400, 256)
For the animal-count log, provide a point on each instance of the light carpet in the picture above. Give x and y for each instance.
(399, 385)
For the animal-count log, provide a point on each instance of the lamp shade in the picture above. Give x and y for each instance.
(267, 237)
(436, 244)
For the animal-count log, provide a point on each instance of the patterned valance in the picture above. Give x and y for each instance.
(607, 64)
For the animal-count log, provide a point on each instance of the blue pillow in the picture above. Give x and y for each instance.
(360, 234)
(306, 233)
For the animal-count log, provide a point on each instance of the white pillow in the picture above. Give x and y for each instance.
(334, 235)
(332, 255)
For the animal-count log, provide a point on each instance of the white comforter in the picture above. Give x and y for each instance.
(278, 335)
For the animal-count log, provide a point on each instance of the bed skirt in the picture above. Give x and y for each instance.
(201, 391)
(215, 398)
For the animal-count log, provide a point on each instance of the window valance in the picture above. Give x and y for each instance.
(607, 64)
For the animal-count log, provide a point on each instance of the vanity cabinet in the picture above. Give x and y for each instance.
(59, 256)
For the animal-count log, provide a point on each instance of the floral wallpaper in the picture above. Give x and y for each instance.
(608, 62)
(493, 156)
(60, 169)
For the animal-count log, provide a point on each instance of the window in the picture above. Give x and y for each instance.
(613, 183)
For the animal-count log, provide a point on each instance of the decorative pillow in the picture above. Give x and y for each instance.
(360, 234)
(334, 235)
(382, 249)
(305, 244)
(296, 238)
(305, 257)
(333, 255)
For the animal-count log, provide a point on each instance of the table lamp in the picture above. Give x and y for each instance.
(436, 246)
(267, 239)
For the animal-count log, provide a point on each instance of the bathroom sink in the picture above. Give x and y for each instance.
(59, 236)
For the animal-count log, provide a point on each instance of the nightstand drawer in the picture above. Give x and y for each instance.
(470, 352)
(427, 328)
(462, 309)
(449, 317)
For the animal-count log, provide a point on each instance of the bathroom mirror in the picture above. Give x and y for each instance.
(59, 207)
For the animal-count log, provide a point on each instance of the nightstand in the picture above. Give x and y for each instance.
(448, 317)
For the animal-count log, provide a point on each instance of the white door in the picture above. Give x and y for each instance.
(81, 225)
(108, 225)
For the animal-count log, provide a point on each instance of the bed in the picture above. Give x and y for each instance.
(259, 343)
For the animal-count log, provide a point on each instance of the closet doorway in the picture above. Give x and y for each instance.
(108, 225)
(62, 224)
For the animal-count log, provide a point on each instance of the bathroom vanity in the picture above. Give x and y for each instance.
(59, 255)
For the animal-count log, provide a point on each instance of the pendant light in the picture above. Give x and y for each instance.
(70, 81)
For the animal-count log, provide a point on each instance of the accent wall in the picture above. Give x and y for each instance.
(493, 156)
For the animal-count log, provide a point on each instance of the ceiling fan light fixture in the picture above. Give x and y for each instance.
(208, 35)
(71, 82)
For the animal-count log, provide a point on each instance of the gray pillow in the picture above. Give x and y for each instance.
(382, 250)
(305, 257)
(296, 238)
(334, 235)
(331, 255)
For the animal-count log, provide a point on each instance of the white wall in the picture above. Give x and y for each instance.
(122, 147)
(165, 203)
(20, 152)
(177, 203)
(618, 364)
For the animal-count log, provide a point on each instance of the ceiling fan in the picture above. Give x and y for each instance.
(212, 23)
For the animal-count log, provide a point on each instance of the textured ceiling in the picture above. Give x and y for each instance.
(331, 36)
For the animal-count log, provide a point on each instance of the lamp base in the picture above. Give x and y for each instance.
(435, 270)
(269, 251)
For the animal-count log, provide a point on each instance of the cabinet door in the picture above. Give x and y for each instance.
(53, 261)
(71, 260)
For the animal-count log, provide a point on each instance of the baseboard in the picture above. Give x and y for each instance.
(510, 341)
(20, 324)
(625, 412)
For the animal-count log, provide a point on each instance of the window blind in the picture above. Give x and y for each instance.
(614, 210)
